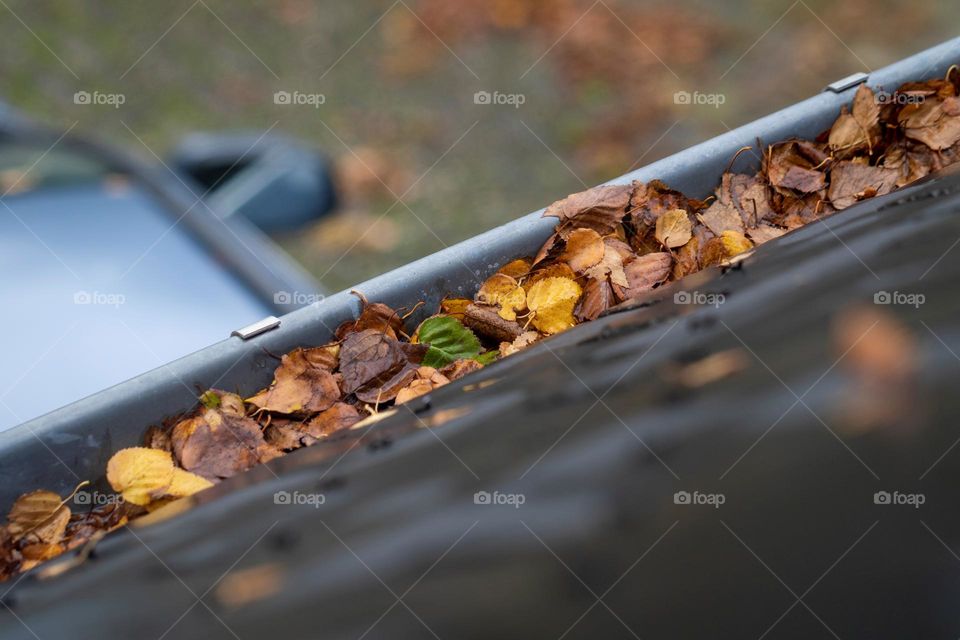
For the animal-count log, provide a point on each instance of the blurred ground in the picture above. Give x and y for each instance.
(597, 81)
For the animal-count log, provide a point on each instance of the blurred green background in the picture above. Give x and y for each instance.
(597, 80)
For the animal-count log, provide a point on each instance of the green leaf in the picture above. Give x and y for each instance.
(449, 340)
(488, 357)
(210, 399)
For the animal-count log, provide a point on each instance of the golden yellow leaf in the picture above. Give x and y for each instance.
(140, 474)
(185, 484)
(454, 307)
(734, 243)
(554, 270)
(515, 269)
(674, 228)
(503, 291)
(552, 300)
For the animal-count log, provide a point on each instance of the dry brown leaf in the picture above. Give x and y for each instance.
(858, 131)
(584, 249)
(337, 418)
(302, 383)
(459, 368)
(764, 233)
(597, 298)
(796, 164)
(673, 228)
(519, 343)
(426, 381)
(600, 208)
(220, 440)
(851, 181)
(41, 514)
(646, 272)
(720, 217)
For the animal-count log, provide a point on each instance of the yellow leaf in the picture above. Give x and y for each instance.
(673, 228)
(552, 300)
(140, 474)
(185, 484)
(503, 291)
(515, 269)
(734, 243)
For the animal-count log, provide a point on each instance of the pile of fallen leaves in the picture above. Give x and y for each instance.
(612, 243)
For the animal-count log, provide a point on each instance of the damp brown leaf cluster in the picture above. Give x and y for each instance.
(612, 243)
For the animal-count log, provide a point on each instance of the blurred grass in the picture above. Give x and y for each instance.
(399, 79)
